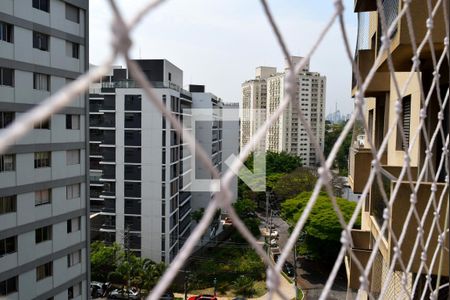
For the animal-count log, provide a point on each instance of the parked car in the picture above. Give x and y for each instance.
(288, 268)
(167, 296)
(203, 297)
(132, 293)
(96, 289)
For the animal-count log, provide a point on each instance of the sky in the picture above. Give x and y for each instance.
(220, 43)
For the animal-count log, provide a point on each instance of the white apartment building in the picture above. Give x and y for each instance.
(254, 99)
(139, 167)
(288, 134)
(44, 237)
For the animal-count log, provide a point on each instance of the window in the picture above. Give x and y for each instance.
(72, 121)
(8, 246)
(72, 13)
(8, 204)
(44, 271)
(73, 258)
(74, 291)
(43, 5)
(6, 76)
(41, 82)
(41, 41)
(45, 124)
(6, 32)
(43, 234)
(7, 163)
(73, 224)
(42, 159)
(6, 118)
(72, 50)
(405, 119)
(42, 197)
(73, 157)
(8, 286)
(73, 191)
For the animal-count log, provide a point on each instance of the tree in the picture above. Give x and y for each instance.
(332, 133)
(292, 184)
(104, 260)
(245, 209)
(198, 214)
(323, 230)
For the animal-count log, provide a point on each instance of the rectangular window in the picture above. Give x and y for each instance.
(8, 204)
(41, 41)
(405, 119)
(74, 291)
(8, 246)
(7, 163)
(8, 286)
(72, 50)
(74, 258)
(44, 271)
(43, 234)
(42, 197)
(73, 157)
(73, 122)
(45, 124)
(41, 82)
(6, 76)
(42, 159)
(43, 5)
(72, 13)
(73, 191)
(6, 32)
(73, 224)
(6, 118)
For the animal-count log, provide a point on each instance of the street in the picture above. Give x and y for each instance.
(311, 275)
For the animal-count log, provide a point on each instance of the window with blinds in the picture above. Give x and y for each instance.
(405, 120)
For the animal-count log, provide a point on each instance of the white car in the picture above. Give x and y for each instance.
(122, 294)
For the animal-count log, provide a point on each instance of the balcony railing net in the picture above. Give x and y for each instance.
(430, 275)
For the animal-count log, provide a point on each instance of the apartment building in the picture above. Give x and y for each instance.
(230, 139)
(287, 134)
(43, 182)
(380, 114)
(140, 169)
(253, 110)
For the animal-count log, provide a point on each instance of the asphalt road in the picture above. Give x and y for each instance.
(311, 278)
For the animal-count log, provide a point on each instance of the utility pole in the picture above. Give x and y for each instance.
(127, 254)
(186, 284)
(215, 286)
(295, 270)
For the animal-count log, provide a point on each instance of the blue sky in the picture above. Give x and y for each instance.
(220, 43)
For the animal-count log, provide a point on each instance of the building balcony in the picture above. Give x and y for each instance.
(362, 248)
(400, 207)
(380, 83)
(359, 168)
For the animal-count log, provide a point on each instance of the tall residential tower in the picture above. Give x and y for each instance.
(43, 207)
(262, 96)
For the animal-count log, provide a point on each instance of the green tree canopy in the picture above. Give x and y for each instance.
(291, 184)
(323, 230)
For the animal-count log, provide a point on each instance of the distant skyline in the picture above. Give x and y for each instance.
(220, 43)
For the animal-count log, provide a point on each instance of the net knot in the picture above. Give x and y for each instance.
(429, 23)
(406, 159)
(273, 280)
(423, 113)
(121, 39)
(423, 257)
(386, 213)
(434, 187)
(441, 116)
(344, 239)
(441, 238)
(416, 61)
(413, 199)
(419, 231)
(397, 251)
(364, 283)
(398, 108)
(339, 6)
(446, 41)
(324, 174)
(375, 164)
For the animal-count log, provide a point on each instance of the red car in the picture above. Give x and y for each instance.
(203, 297)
